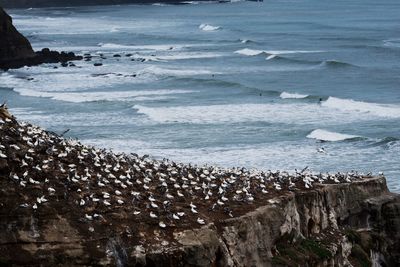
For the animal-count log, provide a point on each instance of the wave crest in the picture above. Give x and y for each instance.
(349, 105)
(325, 135)
(208, 27)
(286, 95)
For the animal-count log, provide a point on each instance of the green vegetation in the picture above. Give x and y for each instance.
(300, 252)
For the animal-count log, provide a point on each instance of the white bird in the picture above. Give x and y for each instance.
(153, 215)
(162, 224)
(200, 221)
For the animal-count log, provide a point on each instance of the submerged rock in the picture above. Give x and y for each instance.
(64, 203)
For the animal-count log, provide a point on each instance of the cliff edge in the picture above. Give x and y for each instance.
(16, 51)
(64, 203)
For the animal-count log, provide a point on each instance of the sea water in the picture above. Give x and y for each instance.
(267, 85)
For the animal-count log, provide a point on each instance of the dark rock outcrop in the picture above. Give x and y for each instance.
(13, 45)
(63, 203)
(16, 51)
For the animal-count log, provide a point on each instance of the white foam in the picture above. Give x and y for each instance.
(286, 52)
(255, 52)
(249, 52)
(67, 79)
(57, 83)
(285, 95)
(163, 47)
(293, 113)
(349, 105)
(325, 135)
(72, 25)
(271, 57)
(208, 27)
(191, 55)
(80, 97)
(160, 71)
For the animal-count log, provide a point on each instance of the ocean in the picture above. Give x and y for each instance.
(272, 85)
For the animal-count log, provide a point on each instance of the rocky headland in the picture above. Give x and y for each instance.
(65, 203)
(16, 51)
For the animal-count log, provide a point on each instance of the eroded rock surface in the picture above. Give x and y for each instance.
(64, 203)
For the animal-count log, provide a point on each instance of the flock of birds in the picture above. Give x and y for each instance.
(161, 192)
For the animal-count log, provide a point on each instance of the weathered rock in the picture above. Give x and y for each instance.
(13, 45)
(331, 224)
(16, 51)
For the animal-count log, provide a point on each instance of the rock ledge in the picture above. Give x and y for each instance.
(63, 203)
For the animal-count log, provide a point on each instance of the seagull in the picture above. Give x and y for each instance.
(200, 221)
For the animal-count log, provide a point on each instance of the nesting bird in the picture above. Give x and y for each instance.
(53, 169)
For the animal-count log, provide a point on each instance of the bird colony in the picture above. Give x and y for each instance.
(47, 170)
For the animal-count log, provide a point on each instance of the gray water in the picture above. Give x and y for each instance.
(235, 84)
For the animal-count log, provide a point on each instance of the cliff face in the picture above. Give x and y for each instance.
(13, 45)
(62, 203)
(16, 51)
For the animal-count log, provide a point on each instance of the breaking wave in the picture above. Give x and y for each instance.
(349, 105)
(325, 135)
(208, 27)
(285, 95)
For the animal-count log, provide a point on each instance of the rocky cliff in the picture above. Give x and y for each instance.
(13, 45)
(64, 203)
(16, 51)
